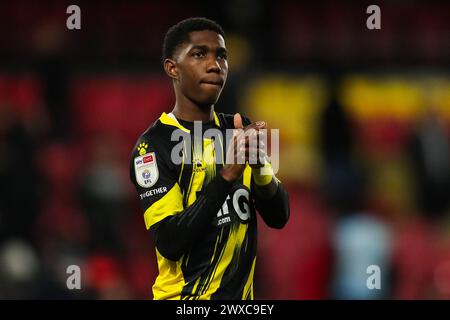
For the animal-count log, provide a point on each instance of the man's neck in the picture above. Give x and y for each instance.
(191, 112)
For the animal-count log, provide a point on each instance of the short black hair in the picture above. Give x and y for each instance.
(179, 33)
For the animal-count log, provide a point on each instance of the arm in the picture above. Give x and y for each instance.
(175, 234)
(271, 199)
(272, 203)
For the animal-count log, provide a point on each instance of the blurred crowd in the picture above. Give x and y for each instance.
(364, 144)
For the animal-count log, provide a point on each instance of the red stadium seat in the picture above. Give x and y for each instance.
(414, 260)
(23, 93)
(119, 105)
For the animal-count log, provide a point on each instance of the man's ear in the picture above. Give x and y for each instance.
(170, 67)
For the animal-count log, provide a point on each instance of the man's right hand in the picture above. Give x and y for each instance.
(239, 149)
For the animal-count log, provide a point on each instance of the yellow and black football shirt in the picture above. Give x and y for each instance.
(214, 257)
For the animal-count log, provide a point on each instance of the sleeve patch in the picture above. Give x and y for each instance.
(146, 170)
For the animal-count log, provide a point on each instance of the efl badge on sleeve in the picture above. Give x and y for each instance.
(146, 170)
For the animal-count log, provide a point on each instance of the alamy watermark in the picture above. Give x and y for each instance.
(242, 146)
(374, 20)
(73, 21)
(374, 280)
(74, 279)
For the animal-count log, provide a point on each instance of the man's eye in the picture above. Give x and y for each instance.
(223, 56)
(198, 54)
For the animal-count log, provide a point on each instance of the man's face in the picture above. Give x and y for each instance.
(202, 67)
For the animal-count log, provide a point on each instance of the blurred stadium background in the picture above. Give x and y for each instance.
(364, 120)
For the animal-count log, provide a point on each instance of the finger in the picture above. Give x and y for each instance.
(238, 121)
(241, 156)
(239, 151)
(262, 134)
(256, 125)
(261, 125)
(250, 137)
(257, 155)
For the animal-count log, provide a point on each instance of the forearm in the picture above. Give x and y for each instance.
(272, 203)
(176, 234)
(267, 191)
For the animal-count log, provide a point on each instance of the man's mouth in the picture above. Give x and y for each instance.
(218, 83)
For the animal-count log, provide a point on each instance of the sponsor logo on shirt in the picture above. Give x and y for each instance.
(236, 207)
(153, 192)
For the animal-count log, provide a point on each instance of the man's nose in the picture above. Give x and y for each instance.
(213, 66)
